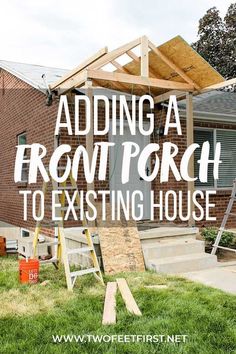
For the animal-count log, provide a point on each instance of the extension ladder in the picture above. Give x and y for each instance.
(62, 253)
(224, 221)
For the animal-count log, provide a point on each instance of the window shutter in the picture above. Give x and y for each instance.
(200, 136)
(227, 170)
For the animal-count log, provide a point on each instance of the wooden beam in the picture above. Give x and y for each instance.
(181, 94)
(128, 298)
(119, 67)
(77, 80)
(172, 65)
(82, 66)
(125, 71)
(109, 312)
(114, 54)
(144, 57)
(165, 96)
(118, 86)
(133, 56)
(137, 80)
(89, 136)
(190, 140)
(219, 85)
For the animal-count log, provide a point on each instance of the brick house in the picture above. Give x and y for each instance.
(26, 117)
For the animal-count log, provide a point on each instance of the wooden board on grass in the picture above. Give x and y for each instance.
(120, 244)
(128, 298)
(109, 312)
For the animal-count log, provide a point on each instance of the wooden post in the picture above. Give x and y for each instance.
(190, 140)
(144, 57)
(89, 136)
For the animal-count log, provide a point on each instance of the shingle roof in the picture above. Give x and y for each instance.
(32, 74)
(213, 103)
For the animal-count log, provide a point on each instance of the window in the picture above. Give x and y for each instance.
(199, 137)
(21, 139)
(227, 169)
(25, 233)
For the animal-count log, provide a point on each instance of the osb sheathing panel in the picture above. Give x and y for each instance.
(120, 244)
(187, 59)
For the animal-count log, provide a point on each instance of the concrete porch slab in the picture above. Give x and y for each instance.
(221, 277)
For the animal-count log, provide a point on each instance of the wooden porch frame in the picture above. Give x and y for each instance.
(90, 72)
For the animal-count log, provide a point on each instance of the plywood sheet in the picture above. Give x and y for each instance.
(186, 58)
(120, 244)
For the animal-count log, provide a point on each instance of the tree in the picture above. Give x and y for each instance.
(217, 40)
(229, 44)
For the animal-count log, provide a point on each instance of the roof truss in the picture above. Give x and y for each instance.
(121, 78)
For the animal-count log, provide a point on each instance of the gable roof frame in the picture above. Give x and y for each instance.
(92, 69)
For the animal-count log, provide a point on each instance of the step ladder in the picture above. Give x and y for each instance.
(224, 222)
(62, 253)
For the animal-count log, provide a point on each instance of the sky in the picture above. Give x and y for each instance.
(63, 33)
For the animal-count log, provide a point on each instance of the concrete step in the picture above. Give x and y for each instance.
(168, 233)
(157, 250)
(183, 264)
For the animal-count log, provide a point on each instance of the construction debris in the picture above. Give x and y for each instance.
(159, 286)
(45, 283)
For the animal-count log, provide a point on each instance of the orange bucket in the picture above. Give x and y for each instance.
(29, 271)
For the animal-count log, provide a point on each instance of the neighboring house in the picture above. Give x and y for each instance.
(26, 118)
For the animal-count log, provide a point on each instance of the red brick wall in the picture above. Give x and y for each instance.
(22, 109)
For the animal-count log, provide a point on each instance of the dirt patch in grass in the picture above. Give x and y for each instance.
(34, 300)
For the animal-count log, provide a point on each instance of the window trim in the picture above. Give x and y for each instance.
(18, 143)
(215, 187)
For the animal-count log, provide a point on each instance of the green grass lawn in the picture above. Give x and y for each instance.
(30, 315)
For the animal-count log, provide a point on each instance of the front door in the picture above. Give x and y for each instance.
(135, 181)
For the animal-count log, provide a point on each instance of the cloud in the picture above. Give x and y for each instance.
(63, 33)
